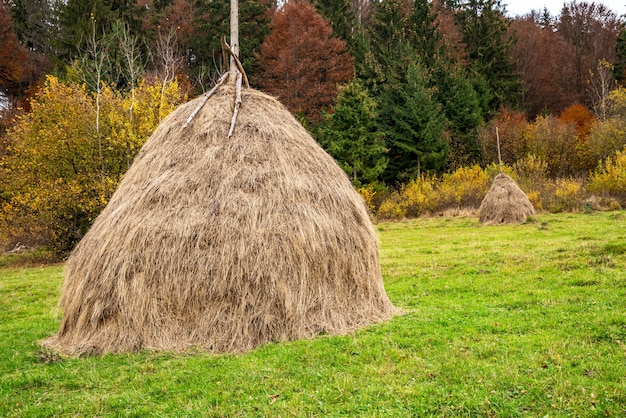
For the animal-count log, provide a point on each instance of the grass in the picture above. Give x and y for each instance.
(524, 320)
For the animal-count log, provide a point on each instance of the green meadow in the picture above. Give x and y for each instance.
(507, 321)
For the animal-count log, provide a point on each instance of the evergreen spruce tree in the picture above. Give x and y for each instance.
(34, 24)
(351, 136)
(619, 69)
(413, 124)
(340, 15)
(80, 20)
(422, 32)
(383, 45)
(461, 106)
(484, 27)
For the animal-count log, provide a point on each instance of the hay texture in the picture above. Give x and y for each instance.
(505, 203)
(222, 243)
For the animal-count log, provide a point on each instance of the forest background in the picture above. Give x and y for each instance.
(409, 96)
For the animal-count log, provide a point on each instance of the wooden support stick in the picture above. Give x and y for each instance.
(237, 104)
(206, 97)
(235, 60)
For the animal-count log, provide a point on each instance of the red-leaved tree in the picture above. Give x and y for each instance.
(12, 53)
(539, 55)
(300, 61)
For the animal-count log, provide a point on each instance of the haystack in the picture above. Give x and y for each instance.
(505, 203)
(223, 243)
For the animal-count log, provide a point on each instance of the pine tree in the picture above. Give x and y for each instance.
(340, 15)
(80, 20)
(413, 123)
(423, 32)
(484, 28)
(383, 44)
(619, 69)
(351, 136)
(461, 106)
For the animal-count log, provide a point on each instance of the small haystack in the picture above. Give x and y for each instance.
(223, 243)
(505, 203)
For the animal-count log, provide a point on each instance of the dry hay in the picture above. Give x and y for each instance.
(222, 243)
(505, 203)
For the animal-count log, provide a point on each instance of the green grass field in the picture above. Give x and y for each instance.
(525, 320)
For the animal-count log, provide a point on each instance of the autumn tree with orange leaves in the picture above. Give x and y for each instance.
(301, 62)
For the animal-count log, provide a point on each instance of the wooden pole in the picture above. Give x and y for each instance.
(499, 155)
(234, 38)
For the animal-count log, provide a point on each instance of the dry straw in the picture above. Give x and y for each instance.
(505, 203)
(224, 243)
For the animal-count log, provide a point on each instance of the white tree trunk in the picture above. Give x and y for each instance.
(234, 37)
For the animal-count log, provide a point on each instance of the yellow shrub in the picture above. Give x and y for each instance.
(368, 194)
(465, 188)
(531, 173)
(392, 208)
(535, 199)
(569, 194)
(609, 179)
(68, 154)
(416, 197)
(493, 170)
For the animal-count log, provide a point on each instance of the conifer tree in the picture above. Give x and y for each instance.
(340, 15)
(78, 21)
(619, 69)
(484, 28)
(461, 106)
(413, 124)
(351, 135)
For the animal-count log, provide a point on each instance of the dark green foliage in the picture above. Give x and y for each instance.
(399, 36)
(33, 21)
(380, 48)
(619, 69)
(484, 28)
(351, 136)
(422, 32)
(340, 15)
(545, 19)
(212, 21)
(81, 20)
(461, 106)
(413, 123)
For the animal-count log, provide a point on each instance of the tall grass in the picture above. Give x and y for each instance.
(525, 320)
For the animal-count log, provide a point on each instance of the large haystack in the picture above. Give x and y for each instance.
(224, 243)
(505, 203)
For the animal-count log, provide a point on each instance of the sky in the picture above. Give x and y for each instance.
(522, 7)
